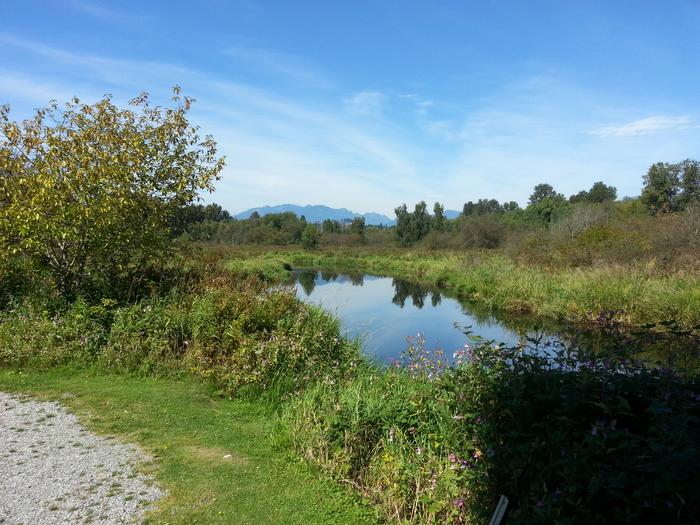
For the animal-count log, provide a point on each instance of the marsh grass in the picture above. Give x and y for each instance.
(636, 294)
(425, 443)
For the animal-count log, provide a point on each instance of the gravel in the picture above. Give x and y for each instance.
(53, 471)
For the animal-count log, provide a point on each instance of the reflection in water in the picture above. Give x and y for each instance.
(307, 280)
(383, 311)
(417, 292)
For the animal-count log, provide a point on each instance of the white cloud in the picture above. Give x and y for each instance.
(102, 12)
(285, 65)
(645, 126)
(366, 103)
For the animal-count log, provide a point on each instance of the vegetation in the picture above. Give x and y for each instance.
(87, 190)
(568, 436)
(574, 437)
(214, 455)
(631, 295)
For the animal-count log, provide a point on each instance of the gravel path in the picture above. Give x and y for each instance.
(53, 471)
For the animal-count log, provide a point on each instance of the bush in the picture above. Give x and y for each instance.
(31, 337)
(569, 439)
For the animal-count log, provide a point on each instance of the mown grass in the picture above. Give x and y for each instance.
(188, 429)
(634, 295)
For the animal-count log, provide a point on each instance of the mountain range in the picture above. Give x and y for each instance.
(319, 213)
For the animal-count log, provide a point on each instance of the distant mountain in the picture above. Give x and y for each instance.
(452, 214)
(319, 213)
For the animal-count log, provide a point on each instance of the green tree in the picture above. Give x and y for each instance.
(330, 226)
(403, 224)
(690, 182)
(420, 225)
(510, 206)
(357, 227)
(438, 217)
(309, 237)
(88, 190)
(542, 192)
(599, 192)
(662, 190)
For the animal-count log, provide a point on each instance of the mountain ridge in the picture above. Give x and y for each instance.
(319, 213)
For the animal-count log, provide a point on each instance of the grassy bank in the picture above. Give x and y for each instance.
(632, 295)
(576, 438)
(189, 430)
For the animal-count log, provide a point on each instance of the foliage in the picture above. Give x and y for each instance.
(185, 217)
(599, 192)
(485, 206)
(640, 293)
(671, 187)
(661, 193)
(309, 237)
(543, 192)
(357, 227)
(412, 226)
(87, 190)
(568, 438)
(426, 442)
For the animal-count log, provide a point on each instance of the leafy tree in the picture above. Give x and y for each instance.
(403, 223)
(309, 237)
(438, 217)
(420, 226)
(88, 190)
(412, 227)
(185, 216)
(599, 192)
(547, 210)
(690, 182)
(330, 226)
(482, 207)
(661, 193)
(542, 192)
(357, 227)
(510, 206)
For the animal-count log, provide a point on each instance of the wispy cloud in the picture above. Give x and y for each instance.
(366, 103)
(645, 126)
(101, 11)
(286, 65)
(278, 146)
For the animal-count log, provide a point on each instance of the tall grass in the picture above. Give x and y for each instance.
(634, 295)
(571, 439)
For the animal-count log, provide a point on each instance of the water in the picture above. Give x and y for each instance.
(383, 311)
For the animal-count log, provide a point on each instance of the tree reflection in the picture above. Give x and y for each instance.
(357, 279)
(418, 293)
(307, 280)
(328, 276)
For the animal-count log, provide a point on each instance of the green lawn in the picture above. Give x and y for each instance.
(189, 430)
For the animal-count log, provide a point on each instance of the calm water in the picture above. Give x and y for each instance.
(383, 311)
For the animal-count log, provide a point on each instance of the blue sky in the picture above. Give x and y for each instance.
(366, 105)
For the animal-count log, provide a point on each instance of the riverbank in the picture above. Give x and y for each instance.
(566, 435)
(630, 295)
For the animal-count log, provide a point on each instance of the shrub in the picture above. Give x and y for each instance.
(31, 337)
(569, 438)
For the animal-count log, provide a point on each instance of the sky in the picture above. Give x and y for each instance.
(370, 104)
